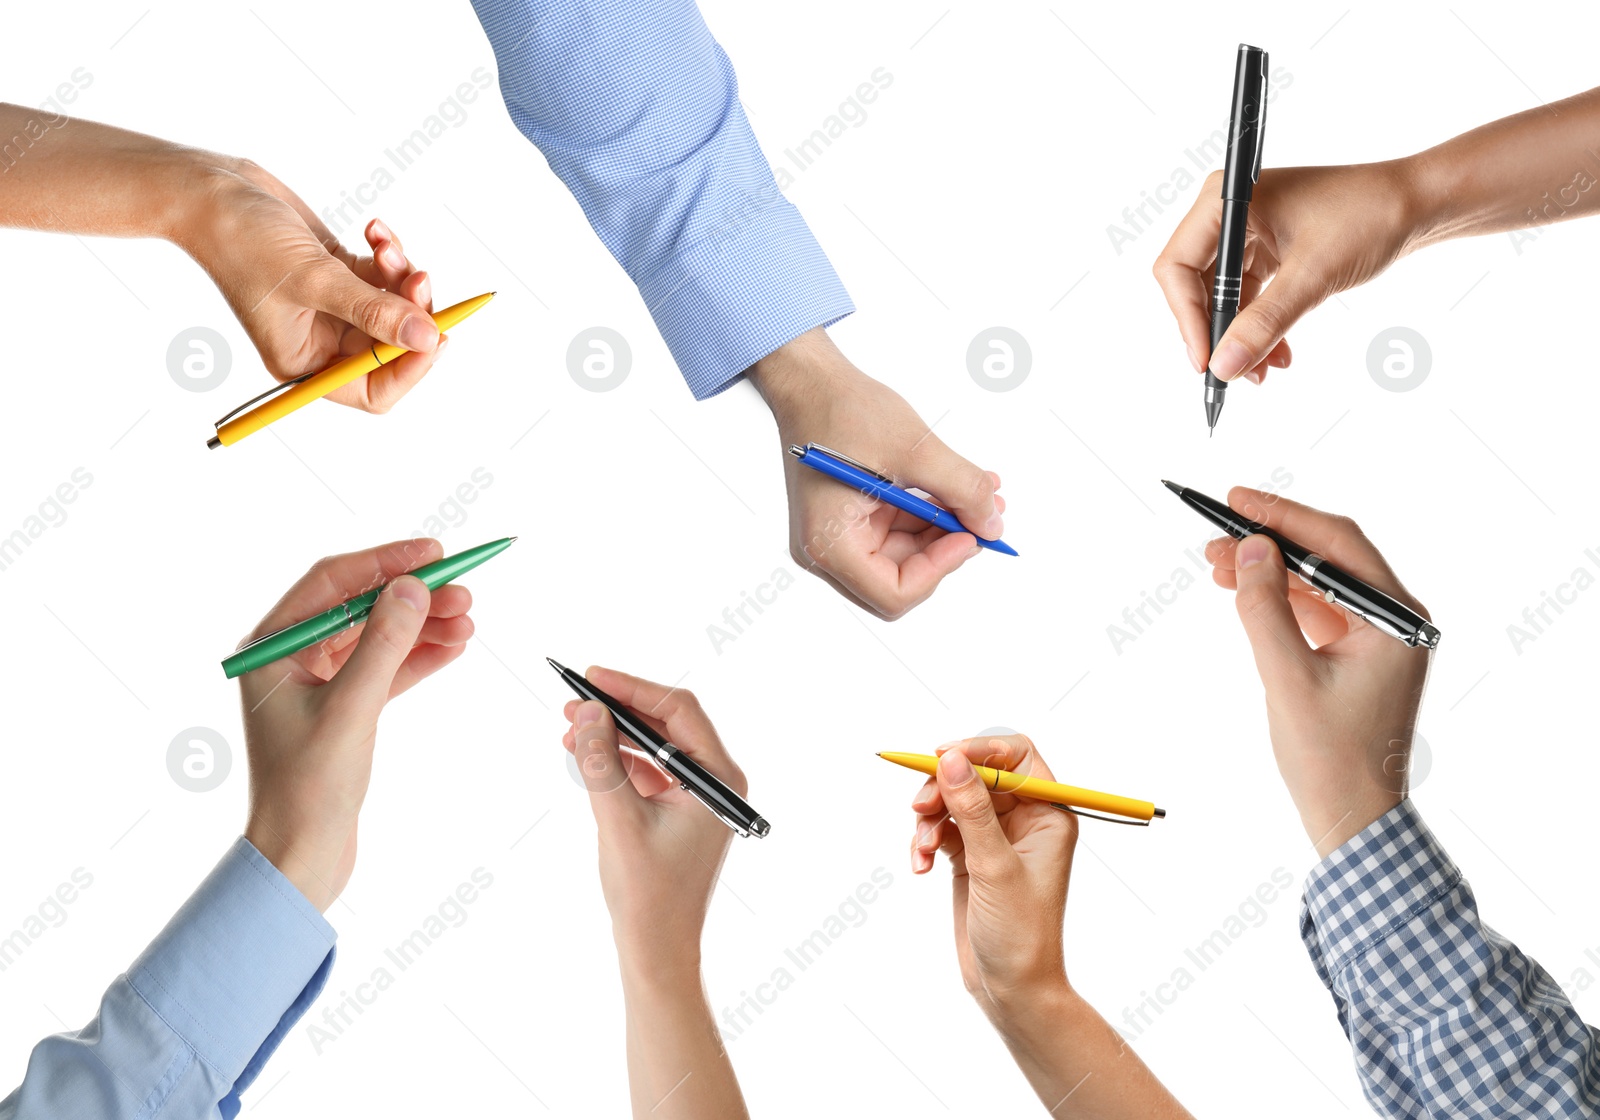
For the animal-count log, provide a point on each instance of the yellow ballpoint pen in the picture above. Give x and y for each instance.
(281, 400)
(1071, 798)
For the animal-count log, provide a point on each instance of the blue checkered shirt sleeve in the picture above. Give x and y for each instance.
(636, 108)
(1446, 1017)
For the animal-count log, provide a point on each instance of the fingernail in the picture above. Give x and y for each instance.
(1252, 550)
(381, 231)
(411, 591)
(993, 527)
(1194, 360)
(589, 712)
(418, 333)
(923, 837)
(1229, 360)
(1254, 376)
(444, 341)
(957, 768)
(392, 256)
(425, 290)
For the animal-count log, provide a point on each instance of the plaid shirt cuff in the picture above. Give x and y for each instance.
(1388, 872)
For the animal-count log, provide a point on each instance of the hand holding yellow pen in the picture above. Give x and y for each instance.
(281, 400)
(1063, 796)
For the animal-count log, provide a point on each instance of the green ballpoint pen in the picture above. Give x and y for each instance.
(300, 635)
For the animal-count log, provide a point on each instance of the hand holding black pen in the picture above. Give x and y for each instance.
(1342, 698)
(661, 855)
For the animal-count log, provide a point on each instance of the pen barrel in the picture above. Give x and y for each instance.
(289, 640)
(1242, 163)
(874, 487)
(1339, 586)
(298, 396)
(1005, 781)
(709, 788)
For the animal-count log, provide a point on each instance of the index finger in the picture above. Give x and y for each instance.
(333, 579)
(1335, 537)
(1001, 752)
(675, 710)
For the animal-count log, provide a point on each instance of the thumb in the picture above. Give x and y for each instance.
(364, 682)
(971, 808)
(1281, 651)
(383, 315)
(1262, 323)
(599, 759)
(961, 487)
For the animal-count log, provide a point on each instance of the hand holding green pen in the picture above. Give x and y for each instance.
(311, 720)
(297, 636)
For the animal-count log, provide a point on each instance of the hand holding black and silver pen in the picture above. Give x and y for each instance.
(1336, 585)
(695, 779)
(1241, 169)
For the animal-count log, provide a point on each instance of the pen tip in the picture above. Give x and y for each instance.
(1162, 813)
(1173, 486)
(556, 665)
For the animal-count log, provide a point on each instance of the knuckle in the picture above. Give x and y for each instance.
(1253, 598)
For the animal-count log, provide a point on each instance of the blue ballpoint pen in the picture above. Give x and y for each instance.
(873, 484)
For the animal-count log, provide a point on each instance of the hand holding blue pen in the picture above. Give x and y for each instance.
(881, 487)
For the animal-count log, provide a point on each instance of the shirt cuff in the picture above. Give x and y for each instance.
(738, 295)
(237, 966)
(1386, 873)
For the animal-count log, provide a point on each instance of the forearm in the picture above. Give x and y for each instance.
(1077, 1064)
(677, 1064)
(75, 176)
(1529, 169)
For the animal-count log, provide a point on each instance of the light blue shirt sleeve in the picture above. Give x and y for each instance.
(636, 108)
(190, 1025)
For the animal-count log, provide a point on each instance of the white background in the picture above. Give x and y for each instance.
(976, 193)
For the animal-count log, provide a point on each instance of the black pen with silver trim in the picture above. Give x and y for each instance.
(1337, 586)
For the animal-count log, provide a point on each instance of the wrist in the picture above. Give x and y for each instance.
(1330, 829)
(296, 860)
(1031, 1010)
(1425, 185)
(800, 375)
(202, 201)
(665, 973)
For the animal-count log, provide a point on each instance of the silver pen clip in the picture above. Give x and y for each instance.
(716, 810)
(274, 391)
(1261, 123)
(796, 450)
